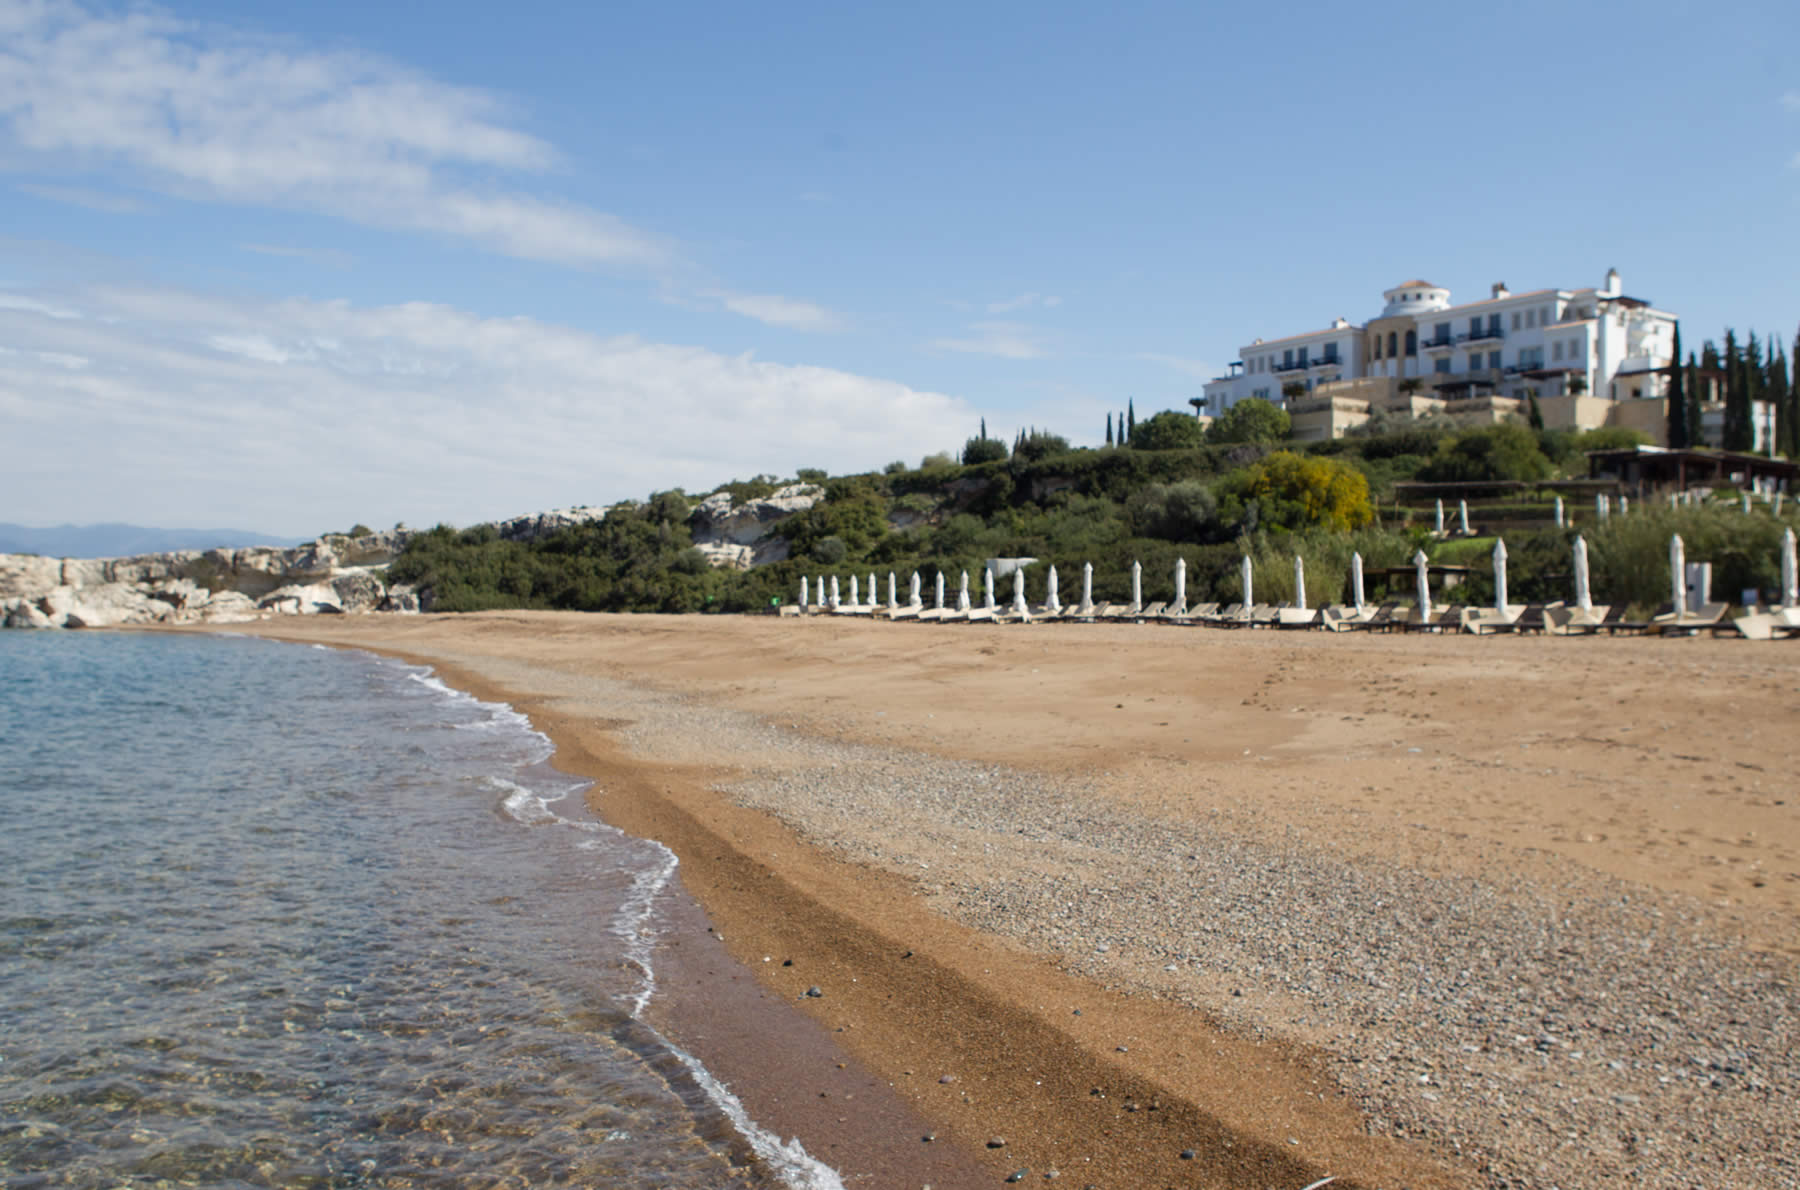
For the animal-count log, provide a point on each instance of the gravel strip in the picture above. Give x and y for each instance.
(1571, 1034)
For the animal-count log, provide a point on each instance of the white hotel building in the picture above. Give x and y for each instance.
(1592, 357)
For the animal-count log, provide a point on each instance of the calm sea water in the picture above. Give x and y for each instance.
(279, 916)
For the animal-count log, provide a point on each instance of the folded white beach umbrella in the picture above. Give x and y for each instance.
(1583, 599)
(1790, 583)
(1422, 575)
(1356, 581)
(1678, 574)
(1299, 582)
(1244, 577)
(1500, 575)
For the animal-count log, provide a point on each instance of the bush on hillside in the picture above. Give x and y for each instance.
(1253, 420)
(1504, 451)
(983, 450)
(1289, 492)
(1168, 430)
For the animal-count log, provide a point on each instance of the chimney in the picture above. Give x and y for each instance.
(1500, 290)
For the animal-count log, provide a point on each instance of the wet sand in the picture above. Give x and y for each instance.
(1512, 773)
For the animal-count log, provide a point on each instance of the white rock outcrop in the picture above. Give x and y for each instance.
(543, 524)
(335, 573)
(737, 535)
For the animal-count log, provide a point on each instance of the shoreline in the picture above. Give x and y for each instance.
(840, 905)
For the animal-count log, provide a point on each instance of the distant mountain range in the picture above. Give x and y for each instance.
(119, 541)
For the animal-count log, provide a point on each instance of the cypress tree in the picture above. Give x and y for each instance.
(1695, 429)
(1737, 393)
(984, 429)
(1678, 411)
(1109, 440)
(1794, 403)
(1130, 419)
(1778, 393)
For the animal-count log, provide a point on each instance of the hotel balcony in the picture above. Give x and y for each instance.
(1441, 343)
(1492, 332)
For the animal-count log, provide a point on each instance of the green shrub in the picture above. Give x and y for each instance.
(1168, 430)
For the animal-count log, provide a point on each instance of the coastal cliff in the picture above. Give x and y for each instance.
(334, 574)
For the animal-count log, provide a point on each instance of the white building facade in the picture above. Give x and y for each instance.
(1595, 343)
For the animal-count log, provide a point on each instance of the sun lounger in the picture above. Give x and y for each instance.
(1263, 616)
(1112, 611)
(1298, 617)
(1490, 621)
(1202, 611)
(1151, 611)
(1701, 619)
(1564, 620)
(1343, 617)
(1436, 619)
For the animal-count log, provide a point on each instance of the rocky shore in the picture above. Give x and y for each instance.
(1240, 912)
(228, 586)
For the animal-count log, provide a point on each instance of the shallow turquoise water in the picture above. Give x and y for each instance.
(278, 916)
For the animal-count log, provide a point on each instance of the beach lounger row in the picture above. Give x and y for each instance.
(1552, 619)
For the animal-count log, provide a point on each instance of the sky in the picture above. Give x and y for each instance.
(291, 266)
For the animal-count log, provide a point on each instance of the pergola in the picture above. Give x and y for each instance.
(1644, 469)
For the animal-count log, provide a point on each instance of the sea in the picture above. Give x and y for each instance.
(274, 915)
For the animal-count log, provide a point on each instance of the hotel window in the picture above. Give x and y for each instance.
(1409, 346)
(1412, 342)
(1475, 327)
(1530, 318)
(1442, 332)
(1442, 365)
(1474, 361)
(1545, 318)
(1575, 349)
(1493, 324)
(1287, 358)
(1494, 360)
(1556, 350)
(1515, 320)
(1303, 352)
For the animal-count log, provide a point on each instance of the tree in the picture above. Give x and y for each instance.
(1535, 418)
(1777, 391)
(1738, 431)
(1109, 440)
(1293, 390)
(1040, 444)
(1130, 420)
(1677, 415)
(1251, 420)
(1694, 429)
(1411, 385)
(983, 449)
(1169, 430)
(1793, 446)
(1291, 492)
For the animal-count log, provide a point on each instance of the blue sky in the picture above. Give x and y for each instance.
(291, 266)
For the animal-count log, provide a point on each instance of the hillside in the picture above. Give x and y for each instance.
(1209, 505)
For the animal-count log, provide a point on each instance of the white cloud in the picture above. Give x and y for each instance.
(1200, 369)
(79, 196)
(777, 311)
(1007, 340)
(1023, 302)
(329, 256)
(30, 305)
(293, 415)
(211, 116)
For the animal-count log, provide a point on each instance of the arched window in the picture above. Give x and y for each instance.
(1412, 342)
(1391, 342)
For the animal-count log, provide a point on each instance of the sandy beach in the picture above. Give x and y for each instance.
(1158, 907)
